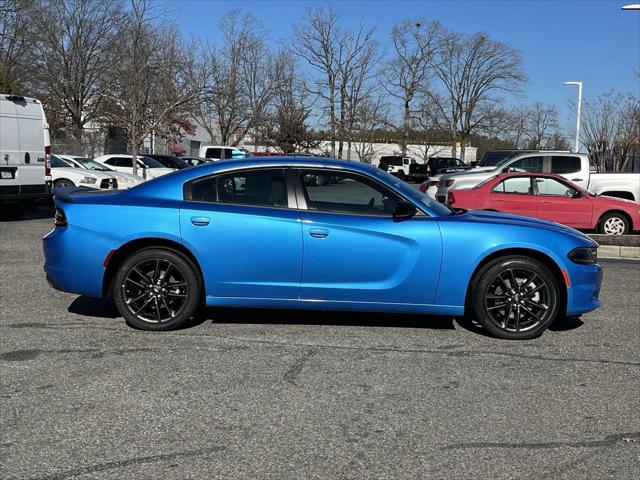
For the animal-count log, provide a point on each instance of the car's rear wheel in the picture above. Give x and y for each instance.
(614, 223)
(157, 289)
(516, 297)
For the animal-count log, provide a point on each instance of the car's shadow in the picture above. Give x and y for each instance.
(100, 308)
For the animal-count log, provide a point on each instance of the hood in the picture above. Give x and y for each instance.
(468, 173)
(158, 172)
(83, 172)
(522, 221)
(623, 202)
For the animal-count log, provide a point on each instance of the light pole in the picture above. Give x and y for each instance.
(579, 84)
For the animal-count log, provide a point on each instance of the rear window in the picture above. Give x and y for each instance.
(565, 164)
(491, 159)
(213, 153)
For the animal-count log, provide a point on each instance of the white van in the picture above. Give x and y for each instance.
(220, 152)
(24, 152)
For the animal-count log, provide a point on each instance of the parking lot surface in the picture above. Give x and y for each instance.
(273, 394)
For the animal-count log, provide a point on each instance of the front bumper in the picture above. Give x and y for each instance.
(583, 294)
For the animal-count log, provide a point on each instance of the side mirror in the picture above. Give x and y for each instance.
(404, 211)
(576, 194)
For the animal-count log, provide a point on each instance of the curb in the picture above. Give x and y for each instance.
(620, 252)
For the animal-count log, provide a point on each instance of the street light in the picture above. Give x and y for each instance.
(579, 84)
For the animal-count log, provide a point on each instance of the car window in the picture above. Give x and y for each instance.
(57, 162)
(528, 164)
(266, 188)
(565, 164)
(150, 162)
(91, 164)
(551, 186)
(228, 153)
(345, 192)
(213, 153)
(120, 162)
(521, 185)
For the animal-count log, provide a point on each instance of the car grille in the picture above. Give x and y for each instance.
(109, 183)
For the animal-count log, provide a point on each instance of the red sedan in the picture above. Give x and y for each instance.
(550, 197)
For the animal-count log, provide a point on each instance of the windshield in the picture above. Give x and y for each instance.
(150, 162)
(493, 159)
(90, 164)
(414, 193)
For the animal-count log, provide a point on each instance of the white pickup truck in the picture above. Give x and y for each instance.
(573, 166)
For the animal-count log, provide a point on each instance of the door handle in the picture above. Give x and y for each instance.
(576, 179)
(200, 221)
(319, 233)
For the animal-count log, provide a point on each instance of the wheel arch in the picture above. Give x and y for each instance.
(542, 257)
(125, 250)
(64, 179)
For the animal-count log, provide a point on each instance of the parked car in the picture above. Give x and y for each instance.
(572, 166)
(238, 234)
(169, 161)
(439, 165)
(195, 161)
(405, 168)
(550, 197)
(24, 153)
(147, 167)
(220, 152)
(74, 170)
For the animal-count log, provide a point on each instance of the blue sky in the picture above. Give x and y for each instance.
(592, 41)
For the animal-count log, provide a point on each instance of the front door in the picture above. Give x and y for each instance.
(514, 195)
(354, 251)
(559, 202)
(244, 234)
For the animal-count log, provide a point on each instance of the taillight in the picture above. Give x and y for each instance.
(423, 188)
(452, 198)
(47, 159)
(60, 219)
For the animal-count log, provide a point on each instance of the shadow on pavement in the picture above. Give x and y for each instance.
(565, 324)
(94, 307)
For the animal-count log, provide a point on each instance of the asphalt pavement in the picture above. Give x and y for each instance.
(293, 394)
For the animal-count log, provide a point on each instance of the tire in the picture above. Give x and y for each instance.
(614, 223)
(401, 175)
(63, 182)
(519, 313)
(146, 304)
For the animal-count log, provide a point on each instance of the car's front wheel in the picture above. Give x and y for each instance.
(614, 223)
(516, 297)
(63, 182)
(157, 289)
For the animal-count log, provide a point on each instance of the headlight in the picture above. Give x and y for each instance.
(584, 255)
(90, 180)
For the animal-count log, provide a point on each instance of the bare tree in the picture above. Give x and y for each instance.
(371, 115)
(287, 129)
(75, 47)
(541, 125)
(518, 119)
(144, 90)
(17, 34)
(611, 129)
(405, 76)
(473, 69)
(317, 41)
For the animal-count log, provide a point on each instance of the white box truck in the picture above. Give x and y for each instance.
(24, 154)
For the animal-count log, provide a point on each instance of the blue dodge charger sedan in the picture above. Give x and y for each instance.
(313, 233)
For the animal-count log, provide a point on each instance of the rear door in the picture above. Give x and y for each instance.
(571, 168)
(354, 251)
(558, 202)
(245, 232)
(32, 152)
(9, 149)
(514, 195)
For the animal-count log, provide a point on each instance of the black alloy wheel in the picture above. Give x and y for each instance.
(157, 289)
(516, 297)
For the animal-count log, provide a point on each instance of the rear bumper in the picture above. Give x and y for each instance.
(583, 294)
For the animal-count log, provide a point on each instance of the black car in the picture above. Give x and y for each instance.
(438, 165)
(169, 161)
